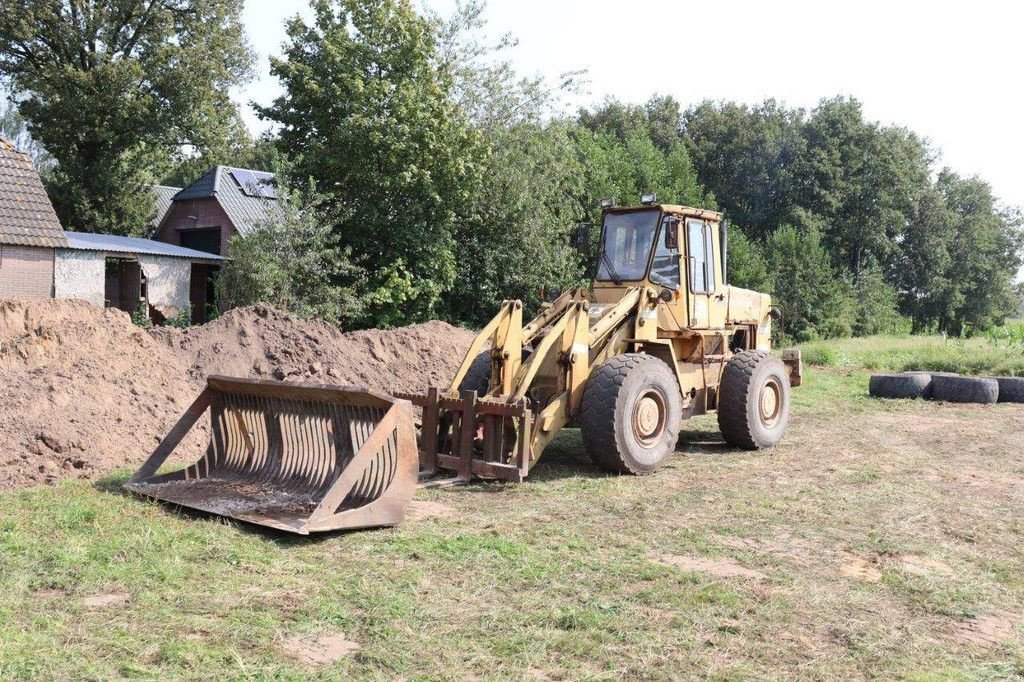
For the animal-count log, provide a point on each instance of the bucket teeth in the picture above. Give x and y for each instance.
(297, 457)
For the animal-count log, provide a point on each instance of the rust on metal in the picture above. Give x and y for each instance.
(297, 457)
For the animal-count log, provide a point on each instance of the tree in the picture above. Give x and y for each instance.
(368, 113)
(116, 89)
(814, 299)
(515, 239)
(874, 303)
(863, 179)
(985, 255)
(748, 158)
(14, 127)
(292, 260)
(922, 267)
(747, 266)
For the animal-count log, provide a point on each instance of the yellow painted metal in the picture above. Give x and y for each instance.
(582, 328)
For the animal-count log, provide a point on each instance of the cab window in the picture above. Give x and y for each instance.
(700, 250)
(665, 267)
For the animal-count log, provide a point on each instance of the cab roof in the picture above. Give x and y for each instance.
(675, 209)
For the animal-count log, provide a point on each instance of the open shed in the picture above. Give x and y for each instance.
(126, 272)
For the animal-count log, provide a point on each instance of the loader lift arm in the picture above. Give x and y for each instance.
(502, 433)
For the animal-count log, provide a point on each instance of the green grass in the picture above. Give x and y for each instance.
(998, 354)
(568, 575)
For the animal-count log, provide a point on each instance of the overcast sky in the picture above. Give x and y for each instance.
(949, 71)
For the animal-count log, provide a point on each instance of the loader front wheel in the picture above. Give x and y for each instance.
(631, 414)
(753, 407)
(478, 376)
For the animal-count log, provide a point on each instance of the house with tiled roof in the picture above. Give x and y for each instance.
(39, 259)
(221, 203)
(29, 229)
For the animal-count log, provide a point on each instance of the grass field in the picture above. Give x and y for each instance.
(882, 539)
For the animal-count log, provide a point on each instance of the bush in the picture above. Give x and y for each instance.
(183, 319)
(292, 260)
(140, 318)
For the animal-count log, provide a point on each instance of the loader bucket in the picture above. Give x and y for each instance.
(297, 457)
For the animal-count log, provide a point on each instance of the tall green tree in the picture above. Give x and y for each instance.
(116, 89)
(292, 259)
(515, 238)
(367, 111)
(985, 255)
(863, 179)
(14, 127)
(747, 266)
(815, 300)
(748, 157)
(923, 266)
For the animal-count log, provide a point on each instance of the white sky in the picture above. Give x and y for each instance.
(949, 71)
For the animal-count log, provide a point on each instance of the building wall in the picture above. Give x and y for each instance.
(207, 213)
(168, 282)
(26, 271)
(80, 274)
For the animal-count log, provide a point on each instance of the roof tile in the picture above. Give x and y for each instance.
(26, 215)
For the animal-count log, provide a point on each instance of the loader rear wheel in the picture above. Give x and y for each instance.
(631, 414)
(753, 407)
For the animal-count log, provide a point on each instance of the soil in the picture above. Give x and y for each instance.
(724, 567)
(314, 652)
(87, 392)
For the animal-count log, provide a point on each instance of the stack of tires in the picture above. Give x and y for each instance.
(947, 387)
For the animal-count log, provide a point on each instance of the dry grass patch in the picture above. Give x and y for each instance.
(725, 563)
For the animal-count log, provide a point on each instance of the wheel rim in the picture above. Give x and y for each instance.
(770, 402)
(649, 417)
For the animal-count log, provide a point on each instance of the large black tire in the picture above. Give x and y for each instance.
(908, 385)
(631, 414)
(753, 403)
(478, 376)
(957, 389)
(1011, 389)
(931, 377)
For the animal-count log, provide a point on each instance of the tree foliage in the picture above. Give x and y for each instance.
(293, 260)
(115, 90)
(368, 114)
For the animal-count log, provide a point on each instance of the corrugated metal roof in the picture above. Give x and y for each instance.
(26, 215)
(245, 211)
(164, 195)
(87, 241)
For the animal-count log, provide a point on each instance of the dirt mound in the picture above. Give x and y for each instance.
(86, 391)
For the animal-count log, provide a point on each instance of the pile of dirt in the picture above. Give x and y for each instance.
(86, 391)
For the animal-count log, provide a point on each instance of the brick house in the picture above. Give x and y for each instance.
(38, 259)
(223, 202)
(203, 216)
(30, 232)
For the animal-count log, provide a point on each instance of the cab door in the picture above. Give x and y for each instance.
(700, 272)
(665, 272)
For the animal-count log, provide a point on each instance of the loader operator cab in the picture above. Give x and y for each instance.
(674, 248)
(644, 244)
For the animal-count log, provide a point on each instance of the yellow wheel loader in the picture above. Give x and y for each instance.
(659, 337)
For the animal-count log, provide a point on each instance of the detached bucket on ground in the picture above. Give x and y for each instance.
(302, 458)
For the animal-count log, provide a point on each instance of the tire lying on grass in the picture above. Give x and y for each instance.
(1011, 389)
(900, 386)
(931, 377)
(957, 389)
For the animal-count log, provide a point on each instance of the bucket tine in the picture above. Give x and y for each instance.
(298, 457)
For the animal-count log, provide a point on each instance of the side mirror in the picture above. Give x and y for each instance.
(672, 234)
(582, 237)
